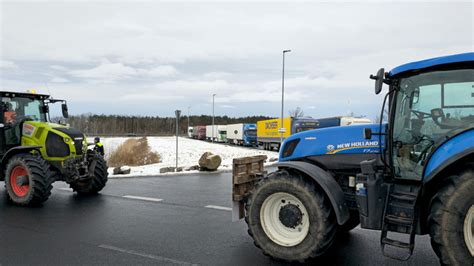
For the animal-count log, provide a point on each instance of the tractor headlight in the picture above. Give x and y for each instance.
(290, 147)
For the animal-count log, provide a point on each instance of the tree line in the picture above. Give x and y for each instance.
(117, 125)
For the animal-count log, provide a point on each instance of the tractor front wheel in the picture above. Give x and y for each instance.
(451, 220)
(290, 218)
(97, 182)
(28, 179)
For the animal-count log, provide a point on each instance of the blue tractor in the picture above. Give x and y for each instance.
(412, 175)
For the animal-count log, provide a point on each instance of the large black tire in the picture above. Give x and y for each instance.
(350, 224)
(320, 223)
(447, 216)
(97, 183)
(35, 178)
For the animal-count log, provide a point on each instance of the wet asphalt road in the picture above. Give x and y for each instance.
(110, 229)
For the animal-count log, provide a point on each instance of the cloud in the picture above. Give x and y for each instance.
(105, 72)
(160, 71)
(111, 72)
(58, 67)
(227, 106)
(217, 75)
(5, 64)
(158, 56)
(58, 80)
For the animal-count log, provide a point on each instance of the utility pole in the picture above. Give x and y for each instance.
(213, 97)
(178, 113)
(282, 127)
(189, 107)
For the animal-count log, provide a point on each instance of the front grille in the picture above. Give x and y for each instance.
(75, 135)
(78, 144)
(55, 146)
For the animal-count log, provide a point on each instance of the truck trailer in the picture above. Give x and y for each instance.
(218, 134)
(337, 121)
(199, 132)
(242, 134)
(269, 135)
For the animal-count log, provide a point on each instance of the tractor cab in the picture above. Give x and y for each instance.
(428, 159)
(18, 108)
(430, 102)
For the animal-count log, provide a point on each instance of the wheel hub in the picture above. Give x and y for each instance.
(469, 230)
(284, 219)
(290, 216)
(19, 181)
(22, 180)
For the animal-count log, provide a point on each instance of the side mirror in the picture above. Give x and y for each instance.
(65, 110)
(378, 80)
(367, 133)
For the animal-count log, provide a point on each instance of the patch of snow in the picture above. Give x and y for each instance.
(189, 152)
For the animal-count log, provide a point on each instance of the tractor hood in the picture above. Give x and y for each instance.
(332, 141)
(57, 141)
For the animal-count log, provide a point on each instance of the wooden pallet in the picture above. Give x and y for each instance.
(246, 172)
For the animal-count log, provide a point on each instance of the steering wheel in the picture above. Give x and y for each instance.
(438, 113)
(421, 115)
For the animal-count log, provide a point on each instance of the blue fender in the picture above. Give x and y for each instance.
(449, 152)
(326, 182)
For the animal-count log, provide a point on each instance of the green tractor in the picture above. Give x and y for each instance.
(36, 152)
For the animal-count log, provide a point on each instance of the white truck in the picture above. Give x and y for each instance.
(190, 132)
(242, 134)
(216, 133)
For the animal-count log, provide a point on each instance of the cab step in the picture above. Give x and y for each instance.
(400, 216)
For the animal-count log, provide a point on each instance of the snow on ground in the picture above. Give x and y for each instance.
(190, 150)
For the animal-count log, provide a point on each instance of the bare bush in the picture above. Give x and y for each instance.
(133, 152)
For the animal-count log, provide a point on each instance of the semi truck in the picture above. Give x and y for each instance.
(242, 134)
(190, 132)
(199, 132)
(270, 132)
(412, 175)
(216, 133)
(342, 121)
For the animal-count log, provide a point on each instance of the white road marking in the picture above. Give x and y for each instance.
(142, 198)
(218, 208)
(144, 255)
(65, 189)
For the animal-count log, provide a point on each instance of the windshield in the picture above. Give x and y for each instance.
(251, 132)
(23, 108)
(429, 107)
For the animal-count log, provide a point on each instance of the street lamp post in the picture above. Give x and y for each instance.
(177, 113)
(187, 129)
(213, 98)
(282, 128)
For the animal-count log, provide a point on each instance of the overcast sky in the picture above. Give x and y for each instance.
(147, 58)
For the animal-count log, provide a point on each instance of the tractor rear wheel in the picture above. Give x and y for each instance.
(97, 183)
(451, 220)
(289, 218)
(28, 179)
